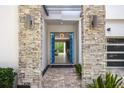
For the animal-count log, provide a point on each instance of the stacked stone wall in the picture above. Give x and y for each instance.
(30, 47)
(93, 42)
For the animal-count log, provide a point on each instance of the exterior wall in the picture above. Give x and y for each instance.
(62, 28)
(115, 20)
(9, 31)
(30, 46)
(114, 11)
(30, 63)
(9, 36)
(117, 28)
(93, 40)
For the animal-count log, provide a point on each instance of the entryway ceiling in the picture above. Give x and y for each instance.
(60, 8)
(60, 22)
(63, 12)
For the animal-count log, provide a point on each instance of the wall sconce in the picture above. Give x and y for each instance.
(108, 29)
(29, 21)
(93, 21)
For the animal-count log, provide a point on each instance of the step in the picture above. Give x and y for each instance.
(61, 65)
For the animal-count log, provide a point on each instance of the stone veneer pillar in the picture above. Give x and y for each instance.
(93, 43)
(30, 46)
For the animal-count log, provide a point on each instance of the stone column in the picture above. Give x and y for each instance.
(30, 45)
(93, 43)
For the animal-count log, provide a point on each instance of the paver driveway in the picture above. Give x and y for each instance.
(61, 78)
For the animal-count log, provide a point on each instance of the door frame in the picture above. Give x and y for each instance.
(52, 47)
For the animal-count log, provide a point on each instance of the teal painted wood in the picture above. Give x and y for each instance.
(52, 37)
(71, 47)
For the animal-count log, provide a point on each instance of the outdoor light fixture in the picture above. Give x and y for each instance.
(108, 29)
(29, 21)
(93, 21)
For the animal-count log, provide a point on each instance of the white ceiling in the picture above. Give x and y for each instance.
(51, 8)
(63, 12)
(60, 22)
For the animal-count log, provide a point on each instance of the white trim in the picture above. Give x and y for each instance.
(114, 37)
(113, 44)
(107, 67)
(118, 60)
(114, 19)
(115, 52)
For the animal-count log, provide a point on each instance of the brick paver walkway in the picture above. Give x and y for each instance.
(61, 78)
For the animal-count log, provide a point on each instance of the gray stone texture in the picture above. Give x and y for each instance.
(30, 46)
(93, 43)
(61, 78)
(30, 49)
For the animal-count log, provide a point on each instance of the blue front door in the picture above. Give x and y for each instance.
(71, 47)
(52, 58)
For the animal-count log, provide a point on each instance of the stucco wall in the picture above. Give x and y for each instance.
(9, 36)
(115, 20)
(114, 11)
(117, 27)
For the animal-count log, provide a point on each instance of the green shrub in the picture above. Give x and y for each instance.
(109, 81)
(6, 77)
(78, 68)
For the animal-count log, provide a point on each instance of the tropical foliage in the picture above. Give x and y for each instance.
(107, 81)
(78, 68)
